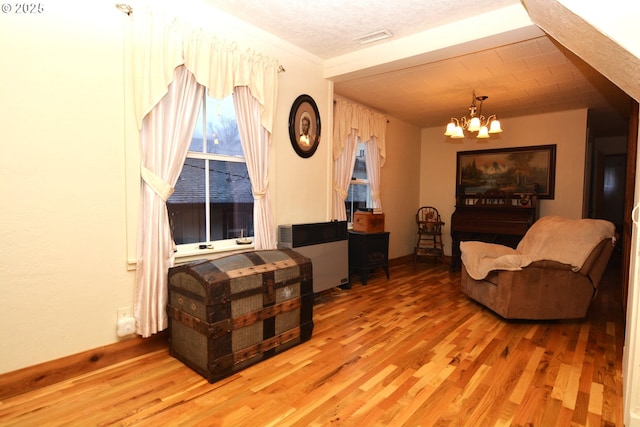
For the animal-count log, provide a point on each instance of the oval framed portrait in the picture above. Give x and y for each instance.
(304, 126)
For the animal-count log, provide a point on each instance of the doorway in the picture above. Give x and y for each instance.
(609, 188)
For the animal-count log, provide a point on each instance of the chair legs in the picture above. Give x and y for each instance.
(429, 245)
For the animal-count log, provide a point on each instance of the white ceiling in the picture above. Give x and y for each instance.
(528, 76)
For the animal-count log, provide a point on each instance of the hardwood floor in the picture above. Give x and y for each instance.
(411, 350)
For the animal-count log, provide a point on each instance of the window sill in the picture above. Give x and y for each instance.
(188, 253)
(192, 252)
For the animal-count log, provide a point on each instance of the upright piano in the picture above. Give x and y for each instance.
(492, 217)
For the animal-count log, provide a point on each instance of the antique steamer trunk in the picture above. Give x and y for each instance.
(232, 312)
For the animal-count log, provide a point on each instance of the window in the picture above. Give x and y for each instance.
(358, 196)
(212, 200)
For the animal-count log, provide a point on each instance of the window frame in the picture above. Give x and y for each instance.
(191, 251)
(361, 153)
(365, 183)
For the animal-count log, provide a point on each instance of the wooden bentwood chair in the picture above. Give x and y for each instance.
(429, 242)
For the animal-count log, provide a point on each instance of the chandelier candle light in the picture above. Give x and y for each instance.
(476, 122)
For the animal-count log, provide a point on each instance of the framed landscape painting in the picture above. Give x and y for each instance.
(528, 170)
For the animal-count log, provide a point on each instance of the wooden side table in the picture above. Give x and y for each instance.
(368, 251)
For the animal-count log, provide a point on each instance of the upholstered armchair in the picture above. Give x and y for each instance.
(552, 274)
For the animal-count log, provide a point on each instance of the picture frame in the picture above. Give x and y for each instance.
(518, 170)
(304, 126)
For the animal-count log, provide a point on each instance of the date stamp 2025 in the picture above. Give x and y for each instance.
(22, 8)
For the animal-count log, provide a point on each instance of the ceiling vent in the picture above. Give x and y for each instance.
(373, 37)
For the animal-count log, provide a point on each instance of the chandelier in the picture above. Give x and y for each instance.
(476, 122)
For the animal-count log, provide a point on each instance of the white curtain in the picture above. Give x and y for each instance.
(159, 45)
(353, 121)
(342, 171)
(164, 145)
(373, 159)
(345, 143)
(255, 142)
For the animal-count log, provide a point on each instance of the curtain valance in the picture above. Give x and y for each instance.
(352, 118)
(159, 46)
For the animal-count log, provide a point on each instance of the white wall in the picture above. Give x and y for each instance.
(65, 222)
(62, 253)
(400, 186)
(301, 189)
(565, 129)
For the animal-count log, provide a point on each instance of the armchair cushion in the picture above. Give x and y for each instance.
(552, 238)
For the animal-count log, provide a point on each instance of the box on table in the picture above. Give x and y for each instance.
(232, 312)
(368, 222)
